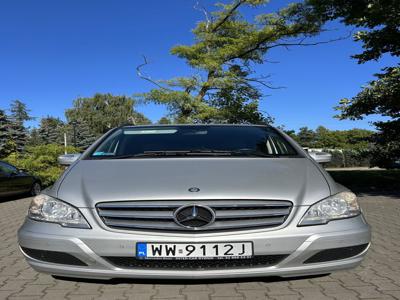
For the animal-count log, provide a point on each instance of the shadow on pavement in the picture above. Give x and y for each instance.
(187, 281)
(390, 194)
(13, 198)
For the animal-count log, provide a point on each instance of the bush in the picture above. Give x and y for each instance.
(349, 158)
(41, 161)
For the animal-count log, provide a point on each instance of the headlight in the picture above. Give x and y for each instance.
(47, 209)
(340, 206)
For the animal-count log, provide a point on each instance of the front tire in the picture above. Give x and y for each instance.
(36, 189)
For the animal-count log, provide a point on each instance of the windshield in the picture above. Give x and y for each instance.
(199, 140)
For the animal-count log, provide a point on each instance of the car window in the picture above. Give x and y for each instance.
(6, 169)
(195, 141)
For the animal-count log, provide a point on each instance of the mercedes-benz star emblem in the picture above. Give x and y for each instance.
(194, 216)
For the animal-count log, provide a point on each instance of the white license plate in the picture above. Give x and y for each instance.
(194, 250)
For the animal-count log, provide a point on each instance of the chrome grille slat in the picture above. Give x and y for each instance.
(218, 225)
(159, 215)
(228, 214)
(142, 225)
(246, 224)
(135, 214)
(121, 205)
(178, 203)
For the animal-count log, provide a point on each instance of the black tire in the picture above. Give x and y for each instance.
(36, 188)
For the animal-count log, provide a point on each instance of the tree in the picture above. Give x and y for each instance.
(291, 133)
(306, 137)
(51, 130)
(19, 136)
(238, 102)
(227, 46)
(20, 112)
(358, 139)
(34, 138)
(379, 23)
(139, 119)
(18, 132)
(102, 112)
(6, 145)
(329, 139)
(80, 134)
(353, 139)
(164, 120)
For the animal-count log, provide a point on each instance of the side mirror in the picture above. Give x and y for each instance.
(68, 159)
(321, 157)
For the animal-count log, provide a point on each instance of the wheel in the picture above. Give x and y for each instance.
(36, 188)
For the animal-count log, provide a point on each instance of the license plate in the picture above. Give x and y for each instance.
(194, 250)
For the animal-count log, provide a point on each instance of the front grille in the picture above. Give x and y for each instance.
(336, 254)
(201, 264)
(159, 215)
(53, 257)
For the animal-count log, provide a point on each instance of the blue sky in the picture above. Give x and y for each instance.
(52, 52)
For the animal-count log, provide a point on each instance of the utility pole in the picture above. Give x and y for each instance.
(65, 143)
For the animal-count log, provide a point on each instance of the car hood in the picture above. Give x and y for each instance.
(91, 181)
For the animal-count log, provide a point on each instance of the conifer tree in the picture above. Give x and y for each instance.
(18, 133)
(5, 138)
(51, 130)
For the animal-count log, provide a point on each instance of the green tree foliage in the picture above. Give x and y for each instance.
(357, 139)
(6, 146)
(353, 139)
(306, 137)
(80, 134)
(20, 112)
(227, 46)
(381, 96)
(349, 148)
(165, 121)
(238, 103)
(102, 112)
(139, 119)
(34, 138)
(18, 133)
(326, 138)
(40, 161)
(19, 136)
(51, 131)
(379, 23)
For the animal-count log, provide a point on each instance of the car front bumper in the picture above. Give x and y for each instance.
(92, 245)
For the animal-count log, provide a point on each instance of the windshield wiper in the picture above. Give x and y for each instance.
(193, 152)
(173, 153)
(184, 153)
(250, 153)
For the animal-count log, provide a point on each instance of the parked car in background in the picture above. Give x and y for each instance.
(14, 181)
(194, 201)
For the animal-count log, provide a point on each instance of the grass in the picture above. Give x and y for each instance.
(368, 180)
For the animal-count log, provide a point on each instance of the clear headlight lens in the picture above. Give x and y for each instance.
(340, 206)
(47, 209)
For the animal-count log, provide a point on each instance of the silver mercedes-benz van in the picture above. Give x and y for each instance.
(194, 201)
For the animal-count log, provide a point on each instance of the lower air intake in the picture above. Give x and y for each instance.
(203, 264)
(53, 257)
(336, 254)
